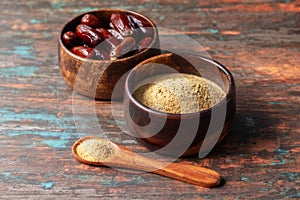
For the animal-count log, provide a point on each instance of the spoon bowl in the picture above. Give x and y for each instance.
(89, 162)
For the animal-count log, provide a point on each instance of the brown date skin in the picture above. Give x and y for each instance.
(82, 51)
(109, 37)
(145, 43)
(123, 48)
(87, 52)
(120, 22)
(71, 39)
(91, 21)
(89, 35)
(140, 24)
(116, 34)
(104, 32)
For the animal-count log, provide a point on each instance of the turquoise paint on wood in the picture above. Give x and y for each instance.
(85, 9)
(292, 176)
(63, 128)
(18, 71)
(39, 115)
(22, 51)
(36, 21)
(162, 18)
(212, 30)
(48, 185)
(264, 189)
(41, 133)
(296, 195)
(83, 177)
(58, 5)
(276, 103)
(5, 174)
(244, 178)
(57, 144)
(281, 152)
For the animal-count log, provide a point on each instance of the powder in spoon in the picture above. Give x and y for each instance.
(95, 150)
(179, 93)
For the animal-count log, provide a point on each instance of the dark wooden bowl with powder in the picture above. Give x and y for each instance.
(153, 116)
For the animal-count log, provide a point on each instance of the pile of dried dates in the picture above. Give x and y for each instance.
(125, 35)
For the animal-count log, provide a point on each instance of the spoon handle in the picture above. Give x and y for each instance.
(191, 174)
(187, 173)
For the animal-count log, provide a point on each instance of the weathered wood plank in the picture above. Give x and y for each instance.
(257, 40)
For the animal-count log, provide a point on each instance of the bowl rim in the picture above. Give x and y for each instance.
(229, 94)
(153, 25)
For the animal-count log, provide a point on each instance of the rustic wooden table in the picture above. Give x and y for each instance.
(258, 41)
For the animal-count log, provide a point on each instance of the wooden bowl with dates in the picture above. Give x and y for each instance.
(98, 48)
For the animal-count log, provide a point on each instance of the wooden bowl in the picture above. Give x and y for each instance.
(180, 134)
(98, 78)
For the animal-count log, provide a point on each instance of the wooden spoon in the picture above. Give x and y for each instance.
(123, 158)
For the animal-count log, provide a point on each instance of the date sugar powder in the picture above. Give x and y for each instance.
(179, 93)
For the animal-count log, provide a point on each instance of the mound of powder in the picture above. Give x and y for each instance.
(95, 150)
(179, 93)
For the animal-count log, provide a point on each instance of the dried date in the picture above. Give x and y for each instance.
(130, 34)
(116, 34)
(71, 39)
(91, 21)
(89, 35)
(82, 51)
(120, 22)
(87, 52)
(141, 24)
(109, 37)
(126, 46)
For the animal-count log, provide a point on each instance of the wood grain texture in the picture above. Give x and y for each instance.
(257, 40)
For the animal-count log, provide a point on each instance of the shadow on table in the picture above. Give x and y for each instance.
(250, 129)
